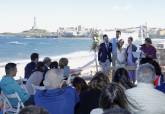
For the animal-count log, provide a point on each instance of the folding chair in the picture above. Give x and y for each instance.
(7, 105)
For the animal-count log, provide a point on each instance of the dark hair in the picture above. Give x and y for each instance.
(80, 84)
(118, 31)
(33, 110)
(121, 77)
(146, 60)
(118, 43)
(34, 56)
(131, 38)
(99, 81)
(63, 62)
(157, 67)
(40, 66)
(10, 67)
(148, 40)
(113, 95)
(53, 64)
(105, 35)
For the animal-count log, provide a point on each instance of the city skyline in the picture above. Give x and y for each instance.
(17, 15)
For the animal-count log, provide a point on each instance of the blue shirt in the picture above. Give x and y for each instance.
(114, 45)
(9, 86)
(66, 71)
(29, 69)
(57, 101)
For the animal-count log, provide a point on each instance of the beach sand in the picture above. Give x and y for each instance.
(76, 61)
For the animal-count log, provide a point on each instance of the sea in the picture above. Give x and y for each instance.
(19, 49)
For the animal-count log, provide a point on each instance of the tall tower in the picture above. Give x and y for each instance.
(34, 24)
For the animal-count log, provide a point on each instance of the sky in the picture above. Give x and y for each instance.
(17, 15)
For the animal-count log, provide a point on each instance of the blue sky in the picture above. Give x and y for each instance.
(17, 15)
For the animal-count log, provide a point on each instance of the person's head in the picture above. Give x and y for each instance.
(80, 84)
(34, 57)
(47, 61)
(53, 79)
(105, 38)
(120, 43)
(148, 41)
(121, 77)
(118, 34)
(11, 69)
(145, 73)
(113, 95)
(63, 62)
(33, 110)
(146, 60)
(54, 65)
(40, 66)
(99, 81)
(130, 40)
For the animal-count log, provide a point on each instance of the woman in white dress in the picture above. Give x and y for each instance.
(121, 54)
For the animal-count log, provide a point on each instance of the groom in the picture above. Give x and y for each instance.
(104, 55)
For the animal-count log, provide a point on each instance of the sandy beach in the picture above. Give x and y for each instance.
(77, 60)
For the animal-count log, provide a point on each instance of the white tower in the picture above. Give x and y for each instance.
(34, 24)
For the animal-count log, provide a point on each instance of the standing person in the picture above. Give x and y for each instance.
(104, 55)
(121, 54)
(114, 46)
(148, 50)
(30, 67)
(131, 60)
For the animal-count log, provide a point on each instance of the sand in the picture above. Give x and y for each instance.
(77, 60)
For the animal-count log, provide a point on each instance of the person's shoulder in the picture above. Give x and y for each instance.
(102, 44)
(97, 111)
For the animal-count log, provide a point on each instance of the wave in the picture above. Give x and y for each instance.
(16, 42)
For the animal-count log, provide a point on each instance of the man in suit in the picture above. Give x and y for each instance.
(104, 55)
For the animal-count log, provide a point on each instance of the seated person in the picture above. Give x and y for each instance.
(90, 99)
(56, 99)
(54, 65)
(35, 78)
(122, 78)
(80, 84)
(145, 97)
(63, 63)
(33, 110)
(30, 67)
(159, 81)
(47, 62)
(112, 100)
(9, 85)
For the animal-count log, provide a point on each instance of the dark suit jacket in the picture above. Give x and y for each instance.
(104, 53)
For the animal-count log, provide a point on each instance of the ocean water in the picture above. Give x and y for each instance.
(16, 49)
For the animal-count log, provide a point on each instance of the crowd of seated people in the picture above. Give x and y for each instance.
(98, 96)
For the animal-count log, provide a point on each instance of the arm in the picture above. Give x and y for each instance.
(99, 53)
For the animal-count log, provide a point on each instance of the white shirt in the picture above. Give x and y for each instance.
(121, 58)
(147, 99)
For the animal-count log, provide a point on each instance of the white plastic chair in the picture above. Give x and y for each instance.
(7, 105)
